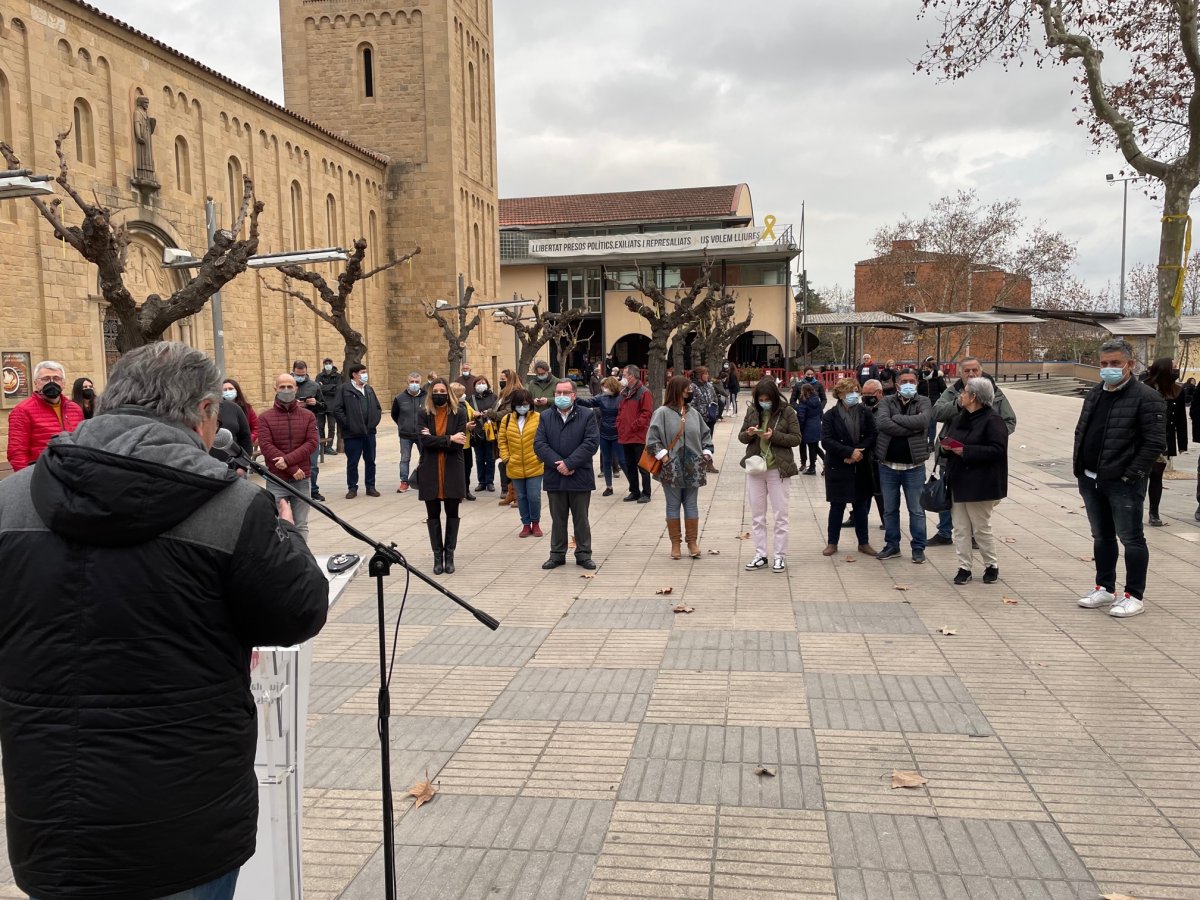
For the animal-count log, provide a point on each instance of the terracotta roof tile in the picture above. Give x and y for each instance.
(626, 206)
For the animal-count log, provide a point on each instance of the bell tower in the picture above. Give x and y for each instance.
(414, 83)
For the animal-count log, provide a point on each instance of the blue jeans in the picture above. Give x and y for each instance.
(913, 482)
(360, 446)
(312, 478)
(529, 498)
(1114, 510)
(406, 448)
(688, 498)
(217, 889)
(485, 462)
(609, 461)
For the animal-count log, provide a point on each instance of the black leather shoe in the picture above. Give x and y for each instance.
(320, 498)
(645, 498)
(630, 498)
(991, 574)
(963, 576)
(471, 496)
(939, 541)
(585, 564)
(553, 563)
(607, 492)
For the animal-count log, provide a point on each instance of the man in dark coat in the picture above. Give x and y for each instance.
(848, 436)
(407, 407)
(329, 379)
(1122, 430)
(141, 573)
(567, 438)
(358, 412)
(867, 370)
(310, 396)
(901, 451)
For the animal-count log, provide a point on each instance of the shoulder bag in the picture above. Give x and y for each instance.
(935, 496)
(649, 462)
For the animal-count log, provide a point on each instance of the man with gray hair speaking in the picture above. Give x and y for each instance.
(140, 573)
(1122, 430)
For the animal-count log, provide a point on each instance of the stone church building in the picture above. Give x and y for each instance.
(388, 133)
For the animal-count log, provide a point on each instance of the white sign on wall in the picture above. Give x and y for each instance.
(654, 242)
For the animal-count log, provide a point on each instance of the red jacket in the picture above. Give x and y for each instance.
(633, 415)
(32, 423)
(290, 432)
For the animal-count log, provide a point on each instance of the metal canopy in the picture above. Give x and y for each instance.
(954, 319)
(1189, 327)
(853, 320)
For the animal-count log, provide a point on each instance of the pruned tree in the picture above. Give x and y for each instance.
(566, 338)
(966, 255)
(104, 244)
(456, 323)
(336, 309)
(535, 330)
(1151, 115)
(718, 333)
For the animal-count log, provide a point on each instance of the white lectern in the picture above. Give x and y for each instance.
(279, 680)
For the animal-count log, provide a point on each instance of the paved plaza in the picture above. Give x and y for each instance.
(601, 745)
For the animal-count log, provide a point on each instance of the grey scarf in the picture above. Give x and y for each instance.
(852, 416)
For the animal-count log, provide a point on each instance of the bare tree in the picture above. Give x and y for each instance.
(1057, 339)
(1152, 116)
(105, 244)
(566, 339)
(456, 323)
(337, 302)
(719, 331)
(533, 331)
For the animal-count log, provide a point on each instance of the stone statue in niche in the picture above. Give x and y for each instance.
(143, 146)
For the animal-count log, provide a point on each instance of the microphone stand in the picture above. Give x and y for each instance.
(380, 566)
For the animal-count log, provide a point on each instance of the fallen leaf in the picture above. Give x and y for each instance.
(763, 770)
(907, 779)
(851, 559)
(422, 792)
(1087, 559)
(666, 590)
(744, 536)
(571, 543)
(683, 609)
(1117, 897)
(588, 575)
(1011, 601)
(1010, 540)
(900, 587)
(946, 629)
(714, 552)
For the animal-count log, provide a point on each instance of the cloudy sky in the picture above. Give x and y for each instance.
(805, 100)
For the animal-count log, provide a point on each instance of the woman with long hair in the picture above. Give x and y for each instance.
(680, 437)
(459, 393)
(442, 477)
(509, 382)
(769, 431)
(516, 433)
(240, 399)
(1164, 378)
(848, 435)
(83, 392)
(808, 413)
(606, 404)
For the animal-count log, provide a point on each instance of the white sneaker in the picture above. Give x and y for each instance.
(1127, 606)
(757, 563)
(1097, 598)
(778, 565)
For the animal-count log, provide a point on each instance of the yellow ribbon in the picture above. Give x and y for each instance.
(768, 228)
(1177, 300)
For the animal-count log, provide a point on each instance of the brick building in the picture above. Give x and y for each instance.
(388, 134)
(908, 279)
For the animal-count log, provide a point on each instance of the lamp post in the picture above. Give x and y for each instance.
(1113, 179)
(16, 183)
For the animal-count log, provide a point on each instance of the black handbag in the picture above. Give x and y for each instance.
(935, 496)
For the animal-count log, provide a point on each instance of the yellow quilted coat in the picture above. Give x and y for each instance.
(516, 446)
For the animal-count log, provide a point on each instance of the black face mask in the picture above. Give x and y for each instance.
(51, 391)
(441, 399)
(88, 394)
(871, 401)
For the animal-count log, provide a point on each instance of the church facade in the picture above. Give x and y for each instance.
(388, 133)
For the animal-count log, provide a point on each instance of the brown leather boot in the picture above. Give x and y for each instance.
(674, 534)
(829, 550)
(692, 531)
(866, 549)
(510, 496)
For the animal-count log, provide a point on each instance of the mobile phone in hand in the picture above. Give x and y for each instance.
(951, 443)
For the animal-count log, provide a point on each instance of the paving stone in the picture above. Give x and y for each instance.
(732, 698)
(858, 618)
(347, 642)
(450, 646)
(752, 651)
(406, 732)
(932, 704)
(653, 612)
(456, 691)
(618, 648)
(590, 695)
(419, 609)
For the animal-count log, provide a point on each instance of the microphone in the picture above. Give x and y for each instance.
(225, 443)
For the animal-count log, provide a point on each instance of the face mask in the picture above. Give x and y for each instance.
(687, 398)
(441, 399)
(51, 391)
(522, 410)
(563, 402)
(927, 375)
(503, 385)
(811, 379)
(907, 390)
(414, 388)
(852, 399)
(300, 379)
(481, 388)
(328, 368)
(1112, 374)
(229, 395)
(363, 377)
(764, 404)
(871, 402)
(624, 382)
(89, 394)
(285, 396)
(545, 377)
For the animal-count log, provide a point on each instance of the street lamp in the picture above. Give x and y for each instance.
(16, 183)
(1113, 179)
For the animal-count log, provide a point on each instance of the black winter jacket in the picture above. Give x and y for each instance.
(309, 388)
(357, 413)
(140, 573)
(435, 447)
(406, 411)
(574, 441)
(899, 422)
(845, 483)
(981, 473)
(1176, 425)
(231, 417)
(329, 383)
(1134, 435)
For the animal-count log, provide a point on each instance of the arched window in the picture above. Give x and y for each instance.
(372, 237)
(366, 62)
(331, 231)
(471, 78)
(85, 138)
(6, 129)
(478, 253)
(233, 172)
(297, 216)
(183, 166)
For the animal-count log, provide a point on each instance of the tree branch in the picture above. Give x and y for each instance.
(298, 295)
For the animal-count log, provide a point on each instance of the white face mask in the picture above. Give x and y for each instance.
(624, 382)
(328, 368)
(481, 388)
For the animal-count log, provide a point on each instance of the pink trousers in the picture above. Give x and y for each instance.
(758, 489)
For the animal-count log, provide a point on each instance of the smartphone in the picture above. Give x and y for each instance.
(951, 443)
